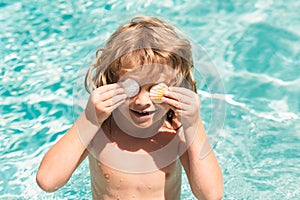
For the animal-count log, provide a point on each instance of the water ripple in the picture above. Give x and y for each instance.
(254, 45)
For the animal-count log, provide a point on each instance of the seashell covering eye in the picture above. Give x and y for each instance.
(131, 87)
(157, 92)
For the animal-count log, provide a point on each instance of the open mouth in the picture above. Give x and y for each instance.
(142, 113)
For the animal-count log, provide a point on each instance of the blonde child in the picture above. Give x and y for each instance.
(142, 121)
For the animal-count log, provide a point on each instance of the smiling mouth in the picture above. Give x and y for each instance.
(142, 113)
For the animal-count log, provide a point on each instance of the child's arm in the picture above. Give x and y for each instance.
(199, 161)
(201, 166)
(64, 157)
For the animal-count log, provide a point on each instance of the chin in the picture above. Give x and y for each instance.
(145, 124)
(141, 122)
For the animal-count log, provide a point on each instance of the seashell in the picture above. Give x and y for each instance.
(131, 87)
(157, 92)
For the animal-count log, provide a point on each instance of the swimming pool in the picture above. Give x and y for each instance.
(254, 45)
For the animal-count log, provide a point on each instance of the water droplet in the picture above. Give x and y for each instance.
(149, 187)
(133, 196)
(106, 176)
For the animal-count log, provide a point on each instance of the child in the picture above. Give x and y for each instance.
(141, 124)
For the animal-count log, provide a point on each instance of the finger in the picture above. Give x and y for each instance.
(178, 96)
(115, 99)
(117, 104)
(106, 88)
(110, 94)
(172, 102)
(182, 90)
(178, 114)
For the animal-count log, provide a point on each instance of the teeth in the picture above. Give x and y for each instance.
(146, 112)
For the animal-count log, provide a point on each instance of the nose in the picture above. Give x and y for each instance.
(143, 97)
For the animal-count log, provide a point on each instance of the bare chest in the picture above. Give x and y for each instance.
(122, 165)
(113, 183)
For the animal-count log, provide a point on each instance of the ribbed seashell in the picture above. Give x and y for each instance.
(131, 87)
(157, 92)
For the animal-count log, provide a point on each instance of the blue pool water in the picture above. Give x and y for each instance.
(253, 44)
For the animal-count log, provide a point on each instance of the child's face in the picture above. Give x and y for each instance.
(140, 109)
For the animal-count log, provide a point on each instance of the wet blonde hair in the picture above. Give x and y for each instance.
(143, 41)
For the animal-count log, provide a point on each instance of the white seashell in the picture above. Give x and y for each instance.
(131, 87)
(157, 92)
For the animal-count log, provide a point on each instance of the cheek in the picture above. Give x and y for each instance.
(162, 108)
(124, 106)
(165, 106)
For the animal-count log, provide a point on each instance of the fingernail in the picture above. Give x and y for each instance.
(120, 85)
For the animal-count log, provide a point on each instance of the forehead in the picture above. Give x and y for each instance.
(150, 74)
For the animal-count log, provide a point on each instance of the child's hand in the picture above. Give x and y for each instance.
(103, 101)
(185, 103)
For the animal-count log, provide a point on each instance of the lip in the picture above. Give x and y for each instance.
(142, 114)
